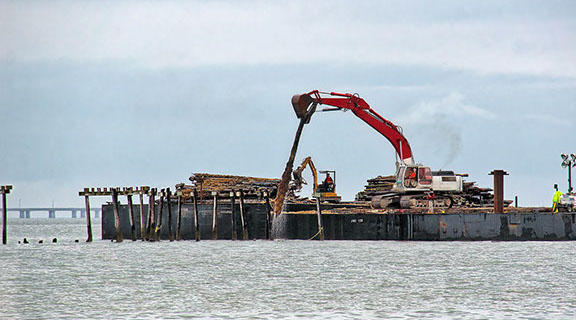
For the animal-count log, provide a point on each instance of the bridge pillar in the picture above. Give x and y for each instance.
(51, 214)
(27, 214)
(22, 214)
(97, 214)
(74, 215)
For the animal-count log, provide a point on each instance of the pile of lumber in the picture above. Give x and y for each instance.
(207, 183)
(375, 187)
(476, 196)
(472, 195)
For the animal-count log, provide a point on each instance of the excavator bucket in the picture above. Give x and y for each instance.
(301, 102)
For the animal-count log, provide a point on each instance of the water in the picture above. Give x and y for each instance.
(279, 279)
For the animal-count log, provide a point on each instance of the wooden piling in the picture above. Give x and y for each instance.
(132, 218)
(268, 215)
(179, 217)
(286, 175)
(4, 217)
(142, 218)
(215, 217)
(168, 202)
(88, 219)
(233, 214)
(196, 224)
(151, 215)
(117, 226)
(159, 222)
(319, 214)
(243, 216)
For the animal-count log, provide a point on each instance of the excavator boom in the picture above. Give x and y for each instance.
(363, 111)
(297, 174)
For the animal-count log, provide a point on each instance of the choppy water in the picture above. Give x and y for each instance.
(279, 279)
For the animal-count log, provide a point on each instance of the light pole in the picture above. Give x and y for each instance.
(569, 162)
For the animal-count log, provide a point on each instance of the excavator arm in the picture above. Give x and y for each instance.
(363, 111)
(299, 180)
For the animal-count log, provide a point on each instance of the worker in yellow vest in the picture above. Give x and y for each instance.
(556, 199)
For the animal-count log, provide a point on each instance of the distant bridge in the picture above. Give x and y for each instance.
(25, 212)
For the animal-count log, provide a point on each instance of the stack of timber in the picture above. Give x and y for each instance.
(207, 183)
(376, 186)
(472, 195)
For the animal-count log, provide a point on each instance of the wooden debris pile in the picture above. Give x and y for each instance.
(207, 183)
(476, 196)
(472, 195)
(376, 186)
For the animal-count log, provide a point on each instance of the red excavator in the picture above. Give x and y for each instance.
(415, 184)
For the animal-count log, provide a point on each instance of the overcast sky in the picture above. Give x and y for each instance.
(129, 93)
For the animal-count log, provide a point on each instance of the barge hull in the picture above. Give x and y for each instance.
(255, 221)
(429, 227)
(364, 226)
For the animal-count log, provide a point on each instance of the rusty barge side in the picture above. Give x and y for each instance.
(430, 227)
(358, 224)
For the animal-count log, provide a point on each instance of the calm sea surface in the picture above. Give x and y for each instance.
(279, 279)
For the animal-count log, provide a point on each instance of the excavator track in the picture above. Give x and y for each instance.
(402, 201)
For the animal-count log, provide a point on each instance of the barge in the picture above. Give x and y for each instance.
(351, 222)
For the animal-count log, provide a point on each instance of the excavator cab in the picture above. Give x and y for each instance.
(326, 190)
(413, 178)
(329, 183)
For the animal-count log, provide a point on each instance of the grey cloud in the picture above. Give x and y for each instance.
(451, 106)
(190, 34)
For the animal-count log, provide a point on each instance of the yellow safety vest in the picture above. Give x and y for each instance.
(557, 196)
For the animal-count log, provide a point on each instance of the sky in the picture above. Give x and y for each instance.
(131, 93)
